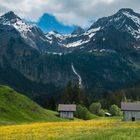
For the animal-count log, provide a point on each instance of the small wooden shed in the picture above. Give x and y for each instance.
(67, 110)
(131, 111)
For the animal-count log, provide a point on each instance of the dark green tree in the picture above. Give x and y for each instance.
(67, 96)
(73, 94)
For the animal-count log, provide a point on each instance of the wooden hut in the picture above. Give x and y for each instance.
(67, 110)
(131, 111)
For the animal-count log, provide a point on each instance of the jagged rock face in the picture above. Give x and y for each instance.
(17, 54)
(105, 57)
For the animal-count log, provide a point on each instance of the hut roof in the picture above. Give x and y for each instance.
(67, 107)
(133, 106)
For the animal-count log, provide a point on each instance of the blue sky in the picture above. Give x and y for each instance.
(68, 12)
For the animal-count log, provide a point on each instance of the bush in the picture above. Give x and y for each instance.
(83, 113)
(101, 113)
(115, 110)
(95, 108)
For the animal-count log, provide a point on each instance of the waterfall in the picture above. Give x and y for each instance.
(76, 73)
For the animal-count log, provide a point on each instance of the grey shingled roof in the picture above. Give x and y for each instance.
(67, 107)
(130, 106)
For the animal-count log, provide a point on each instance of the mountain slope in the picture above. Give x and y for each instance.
(16, 108)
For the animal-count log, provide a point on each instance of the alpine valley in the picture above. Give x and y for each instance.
(106, 57)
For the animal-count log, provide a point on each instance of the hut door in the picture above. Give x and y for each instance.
(133, 119)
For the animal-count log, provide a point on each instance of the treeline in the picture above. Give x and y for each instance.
(131, 94)
(88, 107)
(93, 105)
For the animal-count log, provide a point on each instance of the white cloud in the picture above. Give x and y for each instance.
(67, 11)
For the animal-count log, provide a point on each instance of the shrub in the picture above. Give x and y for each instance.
(83, 113)
(115, 110)
(101, 113)
(95, 108)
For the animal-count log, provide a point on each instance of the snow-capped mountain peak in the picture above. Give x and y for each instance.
(125, 20)
(12, 19)
(126, 10)
(31, 34)
(133, 26)
(9, 18)
(129, 13)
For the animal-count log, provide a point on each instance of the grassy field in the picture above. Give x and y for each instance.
(16, 108)
(23, 119)
(99, 129)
